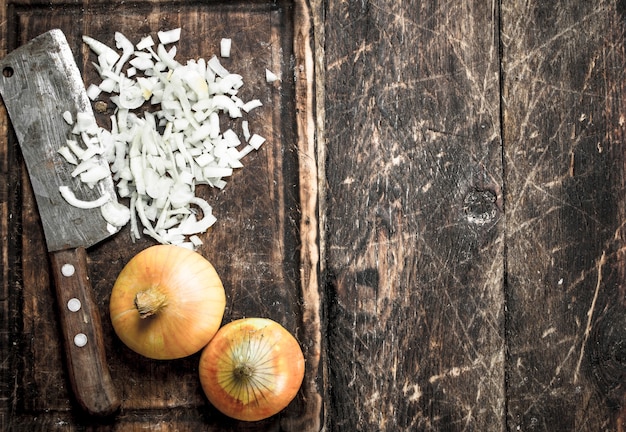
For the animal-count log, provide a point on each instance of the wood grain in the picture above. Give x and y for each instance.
(563, 81)
(7, 277)
(264, 243)
(415, 239)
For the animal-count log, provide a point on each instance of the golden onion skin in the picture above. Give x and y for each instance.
(252, 369)
(182, 294)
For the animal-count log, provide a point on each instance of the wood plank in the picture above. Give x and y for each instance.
(264, 244)
(563, 89)
(7, 277)
(415, 235)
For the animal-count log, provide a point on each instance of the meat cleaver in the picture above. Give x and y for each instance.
(40, 81)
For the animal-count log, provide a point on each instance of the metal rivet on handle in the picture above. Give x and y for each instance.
(67, 270)
(74, 304)
(80, 340)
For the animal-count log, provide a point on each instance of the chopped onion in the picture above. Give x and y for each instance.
(245, 151)
(145, 43)
(142, 63)
(192, 226)
(115, 213)
(68, 155)
(75, 148)
(107, 86)
(245, 128)
(226, 103)
(158, 157)
(69, 196)
(127, 50)
(169, 36)
(225, 45)
(217, 172)
(256, 141)
(270, 76)
(231, 138)
(67, 116)
(166, 57)
(94, 174)
(131, 95)
(93, 91)
(249, 106)
(109, 54)
(215, 65)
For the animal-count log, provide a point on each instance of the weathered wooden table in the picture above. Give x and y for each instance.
(438, 216)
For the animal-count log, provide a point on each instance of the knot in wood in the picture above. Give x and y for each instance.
(480, 206)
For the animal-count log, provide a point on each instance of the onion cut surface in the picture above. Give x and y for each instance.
(167, 302)
(165, 136)
(252, 369)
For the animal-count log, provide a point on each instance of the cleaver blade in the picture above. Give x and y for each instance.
(39, 81)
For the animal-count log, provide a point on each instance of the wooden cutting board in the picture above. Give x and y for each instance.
(264, 244)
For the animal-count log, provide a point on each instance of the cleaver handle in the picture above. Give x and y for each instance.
(82, 334)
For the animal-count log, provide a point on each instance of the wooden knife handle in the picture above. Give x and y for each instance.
(82, 334)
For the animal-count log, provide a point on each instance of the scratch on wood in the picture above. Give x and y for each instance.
(541, 48)
(477, 363)
(590, 315)
(452, 372)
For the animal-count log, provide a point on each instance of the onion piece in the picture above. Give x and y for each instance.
(94, 174)
(142, 63)
(102, 50)
(169, 36)
(131, 95)
(245, 151)
(108, 85)
(68, 155)
(75, 148)
(93, 91)
(231, 138)
(145, 43)
(127, 48)
(245, 128)
(67, 116)
(215, 65)
(270, 76)
(115, 213)
(195, 240)
(225, 46)
(249, 106)
(225, 103)
(166, 57)
(256, 141)
(194, 227)
(217, 172)
(71, 199)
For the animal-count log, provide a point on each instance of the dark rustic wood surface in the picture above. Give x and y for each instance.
(416, 319)
(266, 259)
(466, 218)
(474, 244)
(563, 104)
